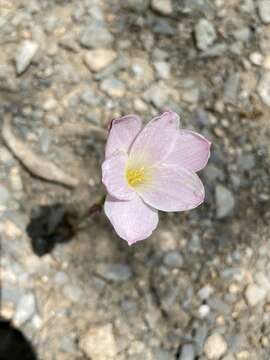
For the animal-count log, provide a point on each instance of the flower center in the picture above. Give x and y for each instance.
(135, 176)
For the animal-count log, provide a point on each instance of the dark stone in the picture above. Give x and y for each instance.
(13, 344)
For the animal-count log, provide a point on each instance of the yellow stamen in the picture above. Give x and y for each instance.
(135, 176)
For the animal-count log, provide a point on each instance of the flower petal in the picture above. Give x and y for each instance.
(172, 189)
(132, 220)
(113, 176)
(122, 133)
(191, 151)
(156, 140)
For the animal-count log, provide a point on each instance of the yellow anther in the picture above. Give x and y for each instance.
(135, 176)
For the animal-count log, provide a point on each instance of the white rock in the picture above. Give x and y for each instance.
(264, 11)
(164, 7)
(203, 311)
(256, 58)
(255, 294)
(264, 88)
(25, 54)
(25, 309)
(99, 59)
(99, 343)
(215, 346)
(162, 69)
(205, 34)
(224, 201)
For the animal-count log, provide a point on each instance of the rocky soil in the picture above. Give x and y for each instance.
(199, 288)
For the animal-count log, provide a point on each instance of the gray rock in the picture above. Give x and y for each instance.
(157, 95)
(205, 34)
(215, 51)
(68, 344)
(114, 272)
(215, 347)
(213, 173)
(89, 98)
(164, 7)
(187, 352)
(243, 34)
(137, 5)
(224, 201)
(45, 140)
(264, 11)
(204, 6)
(162, 69)
(173, 259)
(96, 35)
(163, 27)
(161, 354)
(247, 6)
(11, 294)
(25, 309)
(113, 87)
(219, 306)
(4, 195)
(199, 339)
(255, 294)
(231, 88)
(264, 88)
(25, 54)
(246, 162)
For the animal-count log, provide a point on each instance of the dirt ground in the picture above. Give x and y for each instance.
(199, 288)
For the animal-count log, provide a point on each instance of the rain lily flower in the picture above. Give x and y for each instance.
(151, 169)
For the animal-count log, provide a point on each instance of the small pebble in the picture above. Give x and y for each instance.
(25, 309)
(99, 343)
(255, 294)
(114, 272)
(264, 10)
(256, 58)
(224, 201)
(164, 7)
(187, 352)
(205, 34)
(98, 59)
(113, 87)
(4, 195)
(25, 55)
(215, 347)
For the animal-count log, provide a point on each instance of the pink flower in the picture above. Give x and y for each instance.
(151, 169)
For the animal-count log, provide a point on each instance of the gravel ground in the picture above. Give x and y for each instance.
(199, 288)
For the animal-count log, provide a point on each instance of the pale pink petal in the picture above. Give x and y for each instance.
(172, 189)
(122, 133)
(114, 177)
(156, 140)
(132, 220)
(191, 151)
